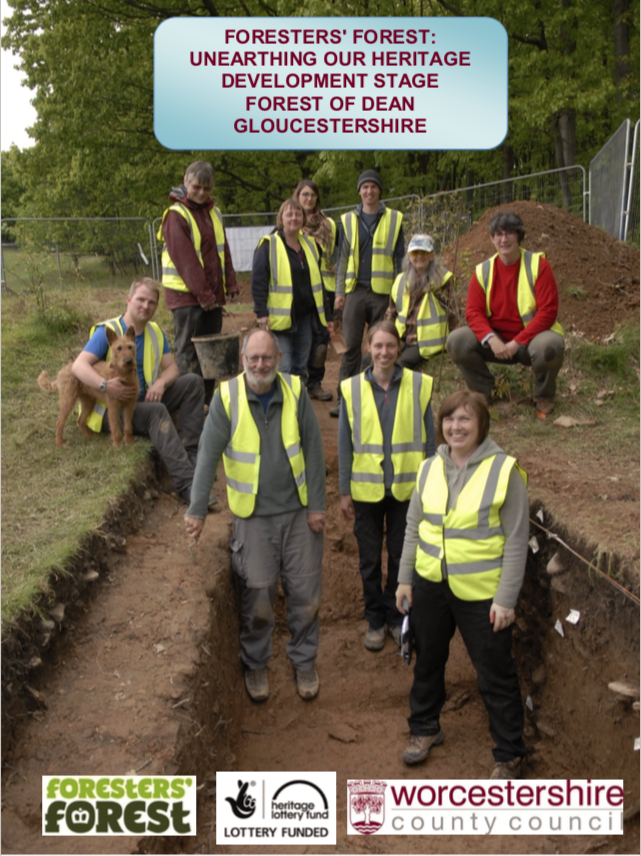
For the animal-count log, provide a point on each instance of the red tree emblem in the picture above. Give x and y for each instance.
(367, 798)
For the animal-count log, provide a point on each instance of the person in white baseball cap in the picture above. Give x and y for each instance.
(421, 302)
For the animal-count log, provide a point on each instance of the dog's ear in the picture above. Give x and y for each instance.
(131, 333)
(111, 334)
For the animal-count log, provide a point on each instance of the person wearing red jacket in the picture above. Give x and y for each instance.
(197, 270)
(512, 306)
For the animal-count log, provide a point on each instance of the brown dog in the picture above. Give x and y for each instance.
(70, 389)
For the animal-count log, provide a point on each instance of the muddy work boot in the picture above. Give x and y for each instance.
(419, 746)
(336, 409)
(544, 406)
(256, 684)
(319, 393)
(508, 769)
(307, 683)
(396, 633)
(374, 638)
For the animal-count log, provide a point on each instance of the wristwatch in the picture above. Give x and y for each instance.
(103, 385)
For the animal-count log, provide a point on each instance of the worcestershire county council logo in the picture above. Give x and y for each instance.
(367, 798)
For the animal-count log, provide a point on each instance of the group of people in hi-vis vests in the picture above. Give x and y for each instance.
(450, 505)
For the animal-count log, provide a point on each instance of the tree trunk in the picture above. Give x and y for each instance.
(621, 36)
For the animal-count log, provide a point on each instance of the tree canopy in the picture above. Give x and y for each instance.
(573, 77)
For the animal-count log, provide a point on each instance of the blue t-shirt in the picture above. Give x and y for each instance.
(98, 345)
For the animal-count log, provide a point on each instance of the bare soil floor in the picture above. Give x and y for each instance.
(144, 673)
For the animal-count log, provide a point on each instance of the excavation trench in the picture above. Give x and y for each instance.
(576, 727)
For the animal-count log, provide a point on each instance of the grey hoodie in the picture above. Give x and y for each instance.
(514, 517)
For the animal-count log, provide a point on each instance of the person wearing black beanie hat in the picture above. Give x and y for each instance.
(370, 256)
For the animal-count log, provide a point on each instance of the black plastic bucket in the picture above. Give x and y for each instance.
(218, 355)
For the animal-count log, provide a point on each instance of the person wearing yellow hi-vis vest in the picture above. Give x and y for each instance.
(385, 431)
(370, 255)
(462, 567)
(421, 303)
(163, 390)
(197, 271)
(512, 307)
(287, 287)
(264, 428)
(325, 232)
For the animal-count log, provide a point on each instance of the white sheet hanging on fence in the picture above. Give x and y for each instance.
(243, 240)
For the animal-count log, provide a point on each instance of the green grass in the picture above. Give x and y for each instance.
(51, 496)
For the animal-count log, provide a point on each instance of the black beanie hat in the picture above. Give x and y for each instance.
(369, 175)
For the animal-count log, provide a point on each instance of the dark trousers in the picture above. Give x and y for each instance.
(318, 354)
(192, 321)
(436, 613)
(177, 446)
(363, 307)
(373, 521)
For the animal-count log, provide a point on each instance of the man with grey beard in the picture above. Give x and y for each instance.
(263, 426)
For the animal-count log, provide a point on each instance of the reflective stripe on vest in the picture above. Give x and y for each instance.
(408, 436)
(281, 294)
(468, 540)
(431, 323)
(170, 276)
(152, 354)
(241, 458)
(383, 243)
(329, 277)
(525, 297)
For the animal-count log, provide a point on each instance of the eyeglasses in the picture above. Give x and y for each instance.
(268, 359)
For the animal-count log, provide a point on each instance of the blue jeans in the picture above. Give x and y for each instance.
(296, 346)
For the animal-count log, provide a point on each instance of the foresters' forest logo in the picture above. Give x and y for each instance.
(367, 805)
(244, 805)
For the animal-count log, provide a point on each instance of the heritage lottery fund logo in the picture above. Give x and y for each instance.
(468, 807)
(275, 808)
(118, 805)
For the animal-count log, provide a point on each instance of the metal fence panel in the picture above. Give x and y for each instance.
(608, 174)
(631, 230)
(52, 248)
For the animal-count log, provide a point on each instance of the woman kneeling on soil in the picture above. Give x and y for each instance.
(385, 431)
(287, 287)
(464, 554)
(421, 302)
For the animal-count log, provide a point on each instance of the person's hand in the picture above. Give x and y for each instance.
(339, 302)
(512, 347)
(330, 328)
(209, 306)
(194, 526)
(118, 389)
(347, 506)
(403, 590)
(232, 294)
(316, 520)
(263, 322)
(155, 391)
(499, 348)
(501, 616)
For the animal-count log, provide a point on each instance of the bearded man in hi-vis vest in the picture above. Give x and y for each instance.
(263, 426)
(197, 271)
(512, 306)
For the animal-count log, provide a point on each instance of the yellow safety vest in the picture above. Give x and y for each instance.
(468, 537)
(329, 279)
(152, 355)
(170, 276)
(408, 436)
(431, 324)
(281, 294)
(241, 458)
(383, 243)
(525, 297)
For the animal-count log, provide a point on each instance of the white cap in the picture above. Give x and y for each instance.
(421, 242)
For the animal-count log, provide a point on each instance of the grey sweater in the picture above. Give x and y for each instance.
(277, 491)
(514, 516)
